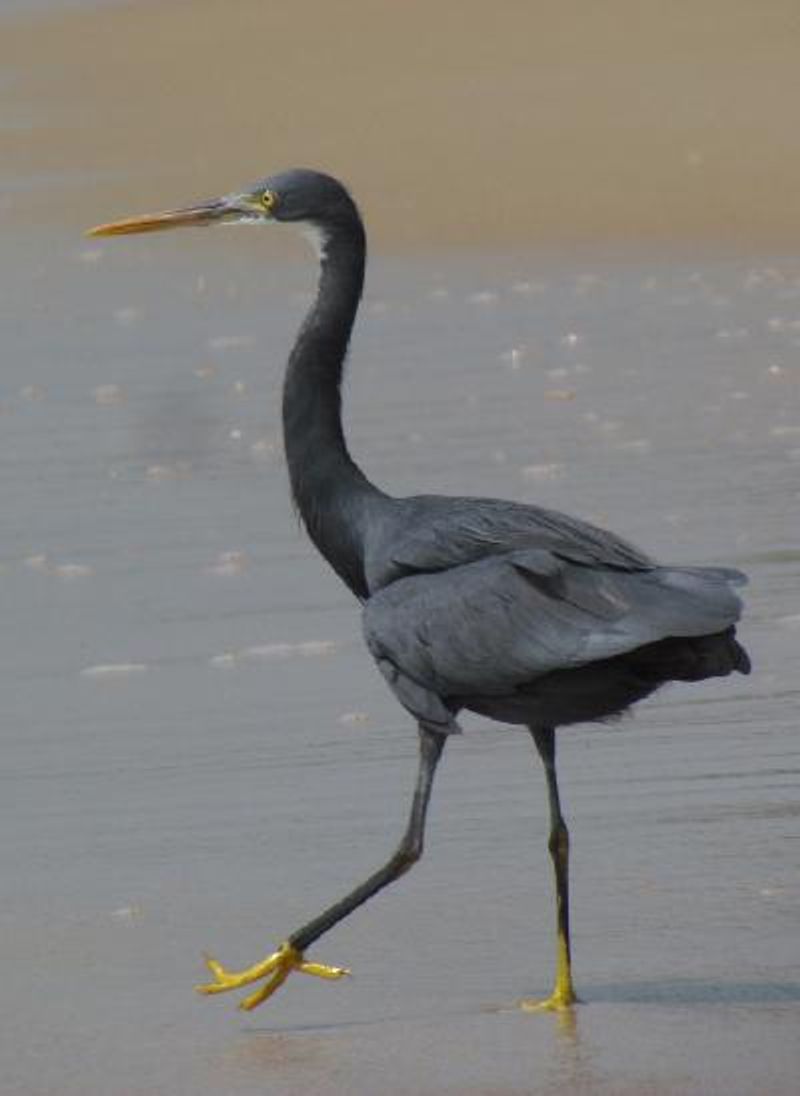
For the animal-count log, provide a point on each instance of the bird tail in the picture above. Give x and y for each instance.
(693, 658)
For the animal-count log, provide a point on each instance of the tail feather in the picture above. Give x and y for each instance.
(692, 658)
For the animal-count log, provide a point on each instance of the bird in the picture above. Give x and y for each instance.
(520, 614)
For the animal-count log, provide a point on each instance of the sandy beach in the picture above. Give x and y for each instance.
(584, 292)
(523, 125)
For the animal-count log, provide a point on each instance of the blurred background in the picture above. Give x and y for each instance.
(584, 292)
(521, 123)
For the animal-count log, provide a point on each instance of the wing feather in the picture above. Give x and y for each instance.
(486, 628)
(430, 533)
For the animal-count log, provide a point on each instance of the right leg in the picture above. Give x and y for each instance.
(563, 994)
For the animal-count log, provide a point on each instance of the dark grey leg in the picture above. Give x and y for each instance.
(563, 993)
(277, 967)
(405, 856)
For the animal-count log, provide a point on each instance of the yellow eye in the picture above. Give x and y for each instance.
(269, 200)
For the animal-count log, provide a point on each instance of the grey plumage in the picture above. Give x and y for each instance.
(522, 614)
(483, 599)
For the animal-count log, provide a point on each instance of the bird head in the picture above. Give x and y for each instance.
(297, 196)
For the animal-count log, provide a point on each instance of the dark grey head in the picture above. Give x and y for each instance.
(298, 196)
(304, 195)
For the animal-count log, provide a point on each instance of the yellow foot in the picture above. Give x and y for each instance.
(559, 999)
(276, 968)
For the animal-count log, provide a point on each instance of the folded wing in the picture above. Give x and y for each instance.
(489, 627)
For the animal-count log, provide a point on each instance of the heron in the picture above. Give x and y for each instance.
(521, 614)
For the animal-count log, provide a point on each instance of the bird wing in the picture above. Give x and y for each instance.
(431, 533)
(486, 628)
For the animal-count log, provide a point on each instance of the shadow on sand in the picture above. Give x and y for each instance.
(688, 991)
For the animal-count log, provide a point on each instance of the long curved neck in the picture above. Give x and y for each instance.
(330, 491)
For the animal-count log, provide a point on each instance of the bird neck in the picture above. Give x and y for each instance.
(330, 491)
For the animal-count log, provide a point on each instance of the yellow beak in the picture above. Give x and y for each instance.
(205, 214)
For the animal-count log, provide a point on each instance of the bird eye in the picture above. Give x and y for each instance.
(269, 200)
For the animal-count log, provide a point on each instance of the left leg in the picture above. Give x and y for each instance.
(563, 994)
(277, 967)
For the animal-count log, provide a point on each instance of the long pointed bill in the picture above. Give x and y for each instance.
(205, 214)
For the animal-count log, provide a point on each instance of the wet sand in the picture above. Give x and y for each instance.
(197, 751)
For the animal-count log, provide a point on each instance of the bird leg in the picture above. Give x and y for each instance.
(563, 994)
(277, 967)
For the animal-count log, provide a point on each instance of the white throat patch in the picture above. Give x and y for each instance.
(316, 237)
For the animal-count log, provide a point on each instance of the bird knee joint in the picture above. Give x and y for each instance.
(407, 856)
(559, 842)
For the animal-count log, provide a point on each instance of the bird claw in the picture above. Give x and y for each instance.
(276, 968)
(558, 1001)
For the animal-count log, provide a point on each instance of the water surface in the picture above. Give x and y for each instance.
(199, 754)
(197, 751)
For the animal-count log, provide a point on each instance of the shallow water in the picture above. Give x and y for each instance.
(199, 754)
(197, 751)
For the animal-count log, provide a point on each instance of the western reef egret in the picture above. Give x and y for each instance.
(521, 614)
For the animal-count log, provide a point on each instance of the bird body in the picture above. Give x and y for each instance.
(515, 612)
(470, 602)
(487, 635)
